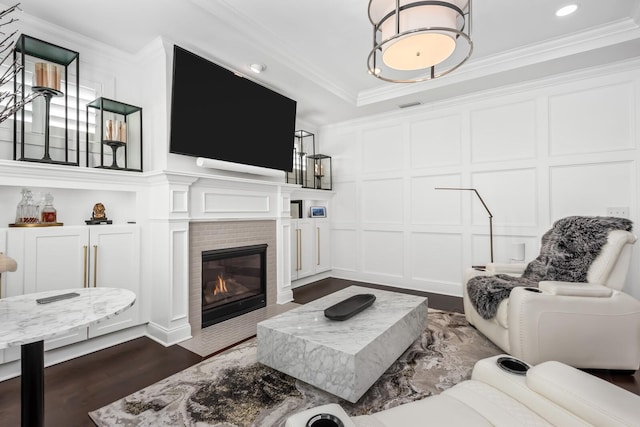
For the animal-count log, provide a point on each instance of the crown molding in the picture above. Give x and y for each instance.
(602, 37)
(276, 47)
(453, 103)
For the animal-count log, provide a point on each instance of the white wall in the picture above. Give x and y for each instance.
(535, 153)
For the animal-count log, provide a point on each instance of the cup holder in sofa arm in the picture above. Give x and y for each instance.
(330, 415)
(512, 365)
(324, 420)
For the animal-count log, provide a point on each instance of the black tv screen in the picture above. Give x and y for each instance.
(220, 115)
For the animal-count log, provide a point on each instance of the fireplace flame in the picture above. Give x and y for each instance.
(221, 286)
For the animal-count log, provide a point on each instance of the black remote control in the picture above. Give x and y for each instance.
(53, 298)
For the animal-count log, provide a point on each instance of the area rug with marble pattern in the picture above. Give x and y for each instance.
(232, 389)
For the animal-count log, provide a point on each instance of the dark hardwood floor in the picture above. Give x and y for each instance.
(304, 294)
(75, 387)
(81, 385)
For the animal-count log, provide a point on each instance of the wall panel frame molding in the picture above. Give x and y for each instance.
(592, 120)
(504, 132)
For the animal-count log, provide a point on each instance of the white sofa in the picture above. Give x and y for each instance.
(551, 393)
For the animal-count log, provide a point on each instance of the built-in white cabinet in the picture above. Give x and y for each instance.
(310, 247)
(68, 257)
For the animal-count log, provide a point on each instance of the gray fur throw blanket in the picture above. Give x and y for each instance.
(566, 253)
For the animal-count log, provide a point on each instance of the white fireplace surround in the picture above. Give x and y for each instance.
(193, 199)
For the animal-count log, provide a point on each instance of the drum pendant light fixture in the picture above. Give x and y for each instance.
(414, 41)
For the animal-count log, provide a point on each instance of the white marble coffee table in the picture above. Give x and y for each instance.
(345, 357)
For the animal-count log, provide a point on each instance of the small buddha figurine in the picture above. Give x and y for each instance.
(98, 212)
(98, 215)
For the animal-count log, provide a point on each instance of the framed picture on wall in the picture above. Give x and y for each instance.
(318, 212)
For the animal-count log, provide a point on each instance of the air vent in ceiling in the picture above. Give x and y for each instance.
(410, 104)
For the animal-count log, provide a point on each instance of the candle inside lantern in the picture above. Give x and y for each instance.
(120, 131)
(108, 130)
(123, 131)
(47, 75)
(319, 169)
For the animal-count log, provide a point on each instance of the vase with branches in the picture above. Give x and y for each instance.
(11, 100)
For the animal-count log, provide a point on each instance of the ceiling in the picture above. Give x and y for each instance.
(316, 50)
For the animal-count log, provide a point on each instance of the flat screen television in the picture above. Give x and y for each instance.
(220, 115)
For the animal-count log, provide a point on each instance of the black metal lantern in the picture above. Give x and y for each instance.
(304, 145)
(118, 126)
(319, 169)
(56, 76)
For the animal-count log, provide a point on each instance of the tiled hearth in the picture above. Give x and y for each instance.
(213, 235)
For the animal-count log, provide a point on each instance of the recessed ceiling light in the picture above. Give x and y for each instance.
(567, 10)
(257, 68)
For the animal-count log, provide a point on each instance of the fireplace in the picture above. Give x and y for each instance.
(234, 282)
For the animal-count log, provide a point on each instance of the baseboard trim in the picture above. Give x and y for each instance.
(311, 279)
(442, 288)
(168, 337)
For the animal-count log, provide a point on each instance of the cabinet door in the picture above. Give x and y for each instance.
(323, 245)
(56, 258)
(115, 263)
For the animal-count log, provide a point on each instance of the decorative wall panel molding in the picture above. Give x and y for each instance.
(382, 149)
(435, 207)
(590, 188)
(592, 120)
(223, 202)
(344, 204)
(179, 252)
(436, 142)
(511, 196)
(179, 201)
(344, 249)
(285, 205)
(383, 253)
(382, 201)
(506, 132)
(435, 257)
(344, 147)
